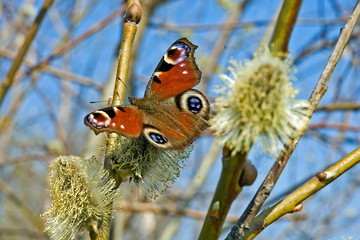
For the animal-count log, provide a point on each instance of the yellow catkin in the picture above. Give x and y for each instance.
(256, 104)
(82, 194)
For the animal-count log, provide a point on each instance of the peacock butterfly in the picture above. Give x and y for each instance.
(171, 115)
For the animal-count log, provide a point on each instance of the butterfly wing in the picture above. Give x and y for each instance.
(175, 73)
(178, 124)
(123, 120)
(171, 115)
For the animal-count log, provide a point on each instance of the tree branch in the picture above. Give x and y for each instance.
(6, 84)
(320, 89)
(292, 203)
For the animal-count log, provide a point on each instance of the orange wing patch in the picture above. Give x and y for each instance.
(126, 121)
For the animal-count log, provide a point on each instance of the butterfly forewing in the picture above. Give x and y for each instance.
(176, 71)
(123, 120)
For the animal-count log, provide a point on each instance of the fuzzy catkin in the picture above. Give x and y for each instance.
(152, 169)
(256, 104)
(82, 195)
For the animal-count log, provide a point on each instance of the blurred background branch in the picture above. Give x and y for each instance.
(72, 61)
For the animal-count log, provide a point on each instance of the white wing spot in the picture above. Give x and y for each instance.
(122, 126)
(113, 124)
(185, 72)
(102, 113)
(107, 122)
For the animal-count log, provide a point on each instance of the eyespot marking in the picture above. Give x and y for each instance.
(177, 53)
(159, 139)
(171, 52)
(182, 45)
(156, 138)
(99, 114)
(193, 101)
(99, 119)
(194, 104)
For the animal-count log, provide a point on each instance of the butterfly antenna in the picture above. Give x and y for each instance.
(101, 101)
(98, 101)
(110, 99)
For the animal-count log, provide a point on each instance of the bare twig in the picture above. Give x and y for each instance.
(340, 127)
(320, 89)
(292, 202)
(60, 73)
(196, 182)
(132, 18)
(6, 84)
(219, 46)
(284, 26)
(21, 205)
(129, 31)
(166, 210)
(227, 189)
(72, 43)
(344, 106)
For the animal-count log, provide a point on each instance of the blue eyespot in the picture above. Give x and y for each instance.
(159, 139)
(194, 104)
(182, 45)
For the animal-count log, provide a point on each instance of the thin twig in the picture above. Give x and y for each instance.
(197, 181)
(73, 43)
(166, 210)
(129, 31)
(57, 72)
(168, 26)
(6, 84)
(320, 89)
(292, 202)
(342, 106)
(340, 127)
(132, 18)
(33, 218)
(219, 46)
(227, 189)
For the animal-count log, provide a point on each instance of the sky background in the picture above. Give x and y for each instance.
(51, 113)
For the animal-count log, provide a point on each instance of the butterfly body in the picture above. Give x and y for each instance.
(171, 115)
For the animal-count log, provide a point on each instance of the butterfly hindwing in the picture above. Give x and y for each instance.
(176, 71)
(123, 120)
(176, 126)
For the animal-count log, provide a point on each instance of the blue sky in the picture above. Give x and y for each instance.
(93, 58)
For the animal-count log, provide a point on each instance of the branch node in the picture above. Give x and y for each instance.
(248, 175)
(214, 211)
(321, 175)
(297, 208)
(134, 12)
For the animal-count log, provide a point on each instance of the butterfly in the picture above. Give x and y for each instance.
(171, 115)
